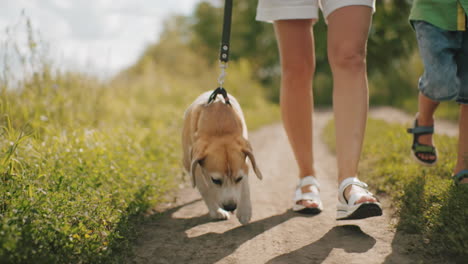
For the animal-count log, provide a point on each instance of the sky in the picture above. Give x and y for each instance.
(105, 35)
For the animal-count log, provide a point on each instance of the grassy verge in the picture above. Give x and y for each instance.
(427, 202)
(81, 159)
(78, 160)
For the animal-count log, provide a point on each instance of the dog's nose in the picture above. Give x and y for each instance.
(230, 207)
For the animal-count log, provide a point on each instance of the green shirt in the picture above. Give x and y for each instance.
(446, 14)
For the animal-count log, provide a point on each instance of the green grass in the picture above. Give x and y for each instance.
(82, 159)
(428, 203)
(77, 161)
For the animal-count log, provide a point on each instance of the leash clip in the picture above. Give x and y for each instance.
(216, 92)
(223, 73)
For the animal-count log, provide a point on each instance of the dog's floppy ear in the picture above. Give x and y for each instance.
(247, 149)
(198, 154)
(193, 168)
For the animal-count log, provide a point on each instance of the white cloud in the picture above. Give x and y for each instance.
(107, 35)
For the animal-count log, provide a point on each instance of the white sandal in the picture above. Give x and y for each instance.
(347, 210)
(313, 196)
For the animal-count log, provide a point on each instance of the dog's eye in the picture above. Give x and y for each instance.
(216, 181)
(239, 179)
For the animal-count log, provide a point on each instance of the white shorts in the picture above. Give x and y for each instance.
(271, 10)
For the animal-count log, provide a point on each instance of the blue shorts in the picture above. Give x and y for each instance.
(445, 57)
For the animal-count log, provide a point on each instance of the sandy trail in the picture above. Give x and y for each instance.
(185, 234)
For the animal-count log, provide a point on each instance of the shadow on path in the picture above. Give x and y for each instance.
(348, 237)
(170, 243)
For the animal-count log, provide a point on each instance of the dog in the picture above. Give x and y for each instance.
(215, 152)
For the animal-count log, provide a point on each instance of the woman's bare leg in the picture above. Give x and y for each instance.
(296, 47)
(348, 30)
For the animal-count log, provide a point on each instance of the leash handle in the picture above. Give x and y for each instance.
(225, 38)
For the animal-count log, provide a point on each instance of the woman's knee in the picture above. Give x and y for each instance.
(347, 58)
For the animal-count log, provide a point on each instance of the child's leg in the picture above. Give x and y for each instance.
(426, 108)
(439, 81)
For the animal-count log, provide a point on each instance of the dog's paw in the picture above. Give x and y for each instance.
(244, 215)
(220, 214)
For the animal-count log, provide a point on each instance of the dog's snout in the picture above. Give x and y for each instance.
(230, 207)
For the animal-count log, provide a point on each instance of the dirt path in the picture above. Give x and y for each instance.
(185, 234)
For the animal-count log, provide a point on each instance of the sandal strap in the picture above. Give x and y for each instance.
(421, 148)
(460, 176)
(356, 196)
(314, 195)
(308, 180)
(421, 130)
(311, 196)
(347, 182)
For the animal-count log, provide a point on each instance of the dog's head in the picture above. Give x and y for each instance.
(223, 165)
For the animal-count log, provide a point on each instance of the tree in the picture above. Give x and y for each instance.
(391, 41)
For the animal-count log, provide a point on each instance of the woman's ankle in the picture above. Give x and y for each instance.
(305, 173)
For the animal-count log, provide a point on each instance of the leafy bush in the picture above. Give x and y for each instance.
(427, 201)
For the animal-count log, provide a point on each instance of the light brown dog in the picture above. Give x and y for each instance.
(216, 149)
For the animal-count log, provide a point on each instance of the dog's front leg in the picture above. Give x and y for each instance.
(215, 211)
(210, 200)
(244, 211)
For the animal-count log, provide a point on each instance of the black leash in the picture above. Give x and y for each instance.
(224, 53)
(225, 38)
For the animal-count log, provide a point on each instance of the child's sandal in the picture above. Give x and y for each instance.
(417, 149)
(457, 178)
